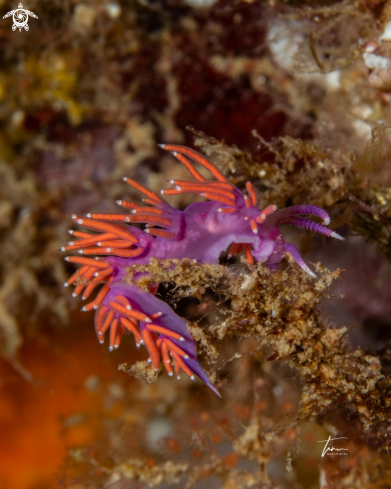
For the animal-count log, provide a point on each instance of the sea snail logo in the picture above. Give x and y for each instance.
(20, 17)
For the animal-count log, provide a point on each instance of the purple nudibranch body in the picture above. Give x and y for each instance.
(200, 232)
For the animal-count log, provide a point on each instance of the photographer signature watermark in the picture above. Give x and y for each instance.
(330, 450)
(20, 17)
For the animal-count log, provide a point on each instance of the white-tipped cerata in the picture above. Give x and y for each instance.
(337, 236)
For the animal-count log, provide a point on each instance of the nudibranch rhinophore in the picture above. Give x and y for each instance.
(200, 232)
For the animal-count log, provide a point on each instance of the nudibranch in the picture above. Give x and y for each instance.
(202, 231)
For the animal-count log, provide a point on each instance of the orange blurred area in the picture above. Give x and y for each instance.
(60, 407)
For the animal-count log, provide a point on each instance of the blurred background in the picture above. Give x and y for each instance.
(86, 94)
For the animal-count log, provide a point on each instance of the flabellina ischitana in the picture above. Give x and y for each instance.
(200, 232)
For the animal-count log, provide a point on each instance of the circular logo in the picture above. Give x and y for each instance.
(20, 18)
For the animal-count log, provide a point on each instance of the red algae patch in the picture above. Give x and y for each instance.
(58, 408)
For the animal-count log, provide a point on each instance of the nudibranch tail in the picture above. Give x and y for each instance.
(127, 308)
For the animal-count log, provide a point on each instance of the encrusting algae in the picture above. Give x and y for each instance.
(279, 311)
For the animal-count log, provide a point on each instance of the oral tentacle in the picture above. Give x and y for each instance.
(294, 252)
